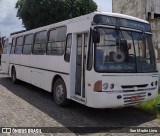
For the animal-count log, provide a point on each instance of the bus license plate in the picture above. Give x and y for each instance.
(135, 98)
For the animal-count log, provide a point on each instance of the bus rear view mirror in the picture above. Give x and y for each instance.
(95, 36)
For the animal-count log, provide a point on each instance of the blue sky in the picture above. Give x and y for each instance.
(10, 23)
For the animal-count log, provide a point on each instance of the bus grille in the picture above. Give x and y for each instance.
(132, 86)
(128, 98)
(137, 88)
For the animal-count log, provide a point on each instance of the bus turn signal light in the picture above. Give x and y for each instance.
(98, 86)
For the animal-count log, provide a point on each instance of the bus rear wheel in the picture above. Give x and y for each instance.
(60, 93)
(14, 77)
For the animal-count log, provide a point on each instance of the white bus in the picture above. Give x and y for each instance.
(101, 60)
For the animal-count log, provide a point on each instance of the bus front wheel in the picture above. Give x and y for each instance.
(14, 77)
(60, 93)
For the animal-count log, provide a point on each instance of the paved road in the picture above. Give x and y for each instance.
(24, 105)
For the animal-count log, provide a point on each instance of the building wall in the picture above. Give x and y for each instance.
(153, 6)
(136, 8)
(155, 24)
(144, 9)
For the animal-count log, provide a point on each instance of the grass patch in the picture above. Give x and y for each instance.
(152, 107)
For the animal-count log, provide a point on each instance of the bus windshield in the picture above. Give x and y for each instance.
(123, 51)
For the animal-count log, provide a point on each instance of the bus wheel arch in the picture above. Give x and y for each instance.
(14, 75)
(59, 91)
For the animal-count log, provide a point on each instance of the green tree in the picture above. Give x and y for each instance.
(37, 13)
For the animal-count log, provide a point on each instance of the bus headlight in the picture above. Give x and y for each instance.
(98, 86)
(105, 86)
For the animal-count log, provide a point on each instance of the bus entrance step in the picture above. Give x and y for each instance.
(77, 99)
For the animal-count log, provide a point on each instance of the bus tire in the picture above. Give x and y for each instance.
(14, 77)
(60, 93)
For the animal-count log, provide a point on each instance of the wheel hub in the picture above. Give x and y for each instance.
(59, 93)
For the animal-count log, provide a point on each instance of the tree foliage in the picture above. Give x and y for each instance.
(36, 13)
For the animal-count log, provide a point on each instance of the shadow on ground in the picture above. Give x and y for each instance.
(76, 114)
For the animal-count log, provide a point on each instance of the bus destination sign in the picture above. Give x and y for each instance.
(121, 22)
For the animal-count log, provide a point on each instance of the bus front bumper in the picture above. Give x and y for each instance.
(117, 100)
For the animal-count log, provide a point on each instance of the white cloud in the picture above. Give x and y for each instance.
(10, 23)
(8, 20)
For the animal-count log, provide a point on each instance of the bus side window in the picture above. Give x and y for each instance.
(39, 47)
(56, 41)
(19, 44)
(85, 44)
(28, 42)
(68, 48)
(5, 47)
(13, 45)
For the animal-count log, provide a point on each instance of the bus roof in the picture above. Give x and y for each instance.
(80, 18)
(122, 16)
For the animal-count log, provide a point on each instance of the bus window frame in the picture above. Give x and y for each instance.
(66, 48)
(19, 45)
(28, 44)
(89, 65)
(56, 41)
(5, 46)
(39, 42)
(12, 46)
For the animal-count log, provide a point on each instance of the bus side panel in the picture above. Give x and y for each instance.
(26, 69)
(26, 74)
(79, 27)
(15, 60)
(4, 66)
(37, 77)
(45, 68)
(49, 76)
(31, 70)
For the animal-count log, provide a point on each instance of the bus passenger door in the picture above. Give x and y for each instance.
(81, 64)
(5, 56)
